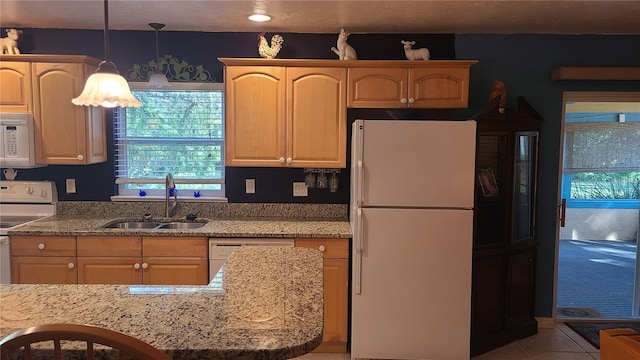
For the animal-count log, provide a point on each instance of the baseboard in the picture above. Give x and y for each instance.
(546, 322)
(331, 347)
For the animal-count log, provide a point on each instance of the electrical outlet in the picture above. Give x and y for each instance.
(250, 186)
(300, 189)
(71, 186)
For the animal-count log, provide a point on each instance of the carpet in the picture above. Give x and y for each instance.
(590, 331)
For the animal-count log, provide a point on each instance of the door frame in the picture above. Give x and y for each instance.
(578, 96)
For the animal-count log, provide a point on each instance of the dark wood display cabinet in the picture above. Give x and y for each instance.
(504, 245)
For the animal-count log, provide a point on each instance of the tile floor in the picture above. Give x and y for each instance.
(560, 343)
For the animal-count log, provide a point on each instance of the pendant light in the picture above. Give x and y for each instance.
(106, 87)
(158, 79)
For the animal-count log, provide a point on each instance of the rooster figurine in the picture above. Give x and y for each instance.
(267, 51)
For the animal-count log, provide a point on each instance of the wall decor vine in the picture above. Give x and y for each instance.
(174, 70)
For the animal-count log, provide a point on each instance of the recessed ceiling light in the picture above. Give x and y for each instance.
(259, 17)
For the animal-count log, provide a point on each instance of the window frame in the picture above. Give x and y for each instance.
(159, 194)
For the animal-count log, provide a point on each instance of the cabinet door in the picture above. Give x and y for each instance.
(377, 87)
(520, 288)
(44, 270)
(336, 290)
(336, 278)
(436, 87)
(175, 260)
(15, 82)
(66, 133)
(488, 288)
(110, 270)
(255, 116)
(316, 117)
(176, 271)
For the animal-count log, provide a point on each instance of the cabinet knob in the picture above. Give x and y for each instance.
(403, 100)
(80, 157)
(71, 265)
(289, 160)
(281, 160)
(412, 100)
(136, 266)
(321, 248)
(41, 246)
(145, 265)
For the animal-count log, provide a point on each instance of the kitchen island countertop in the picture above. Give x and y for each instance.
(265, 303)
(66, 225)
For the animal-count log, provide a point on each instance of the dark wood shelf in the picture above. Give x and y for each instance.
(595, 73)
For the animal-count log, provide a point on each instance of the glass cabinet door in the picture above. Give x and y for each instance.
(524, 175)
(492, 181)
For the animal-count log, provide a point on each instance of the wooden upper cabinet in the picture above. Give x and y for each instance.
(284, 116)
(44, 85)
(407, 84)
(255, 115)
(316, 117)
(15, 85)
(68, 134)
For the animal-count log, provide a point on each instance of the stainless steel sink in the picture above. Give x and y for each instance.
(181, 225)
(133, 225)
(155, 225)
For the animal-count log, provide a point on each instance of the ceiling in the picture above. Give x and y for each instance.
(308, 16)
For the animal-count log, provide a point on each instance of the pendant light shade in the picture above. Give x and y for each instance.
(158, 79)
(106, 87)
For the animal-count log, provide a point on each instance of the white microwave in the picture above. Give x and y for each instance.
(17, 141)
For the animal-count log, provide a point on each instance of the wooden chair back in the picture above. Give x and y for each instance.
(124, 344)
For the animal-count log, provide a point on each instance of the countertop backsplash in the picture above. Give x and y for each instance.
(205, 210)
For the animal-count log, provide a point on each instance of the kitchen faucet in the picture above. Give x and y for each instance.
(168, 185)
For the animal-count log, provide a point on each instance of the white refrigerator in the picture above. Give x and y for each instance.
(412, 193)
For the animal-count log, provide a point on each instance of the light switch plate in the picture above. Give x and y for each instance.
(300, 189)
(250, 186)
(71, 186)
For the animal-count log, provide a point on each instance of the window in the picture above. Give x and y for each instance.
(179, 131)
(601, 156)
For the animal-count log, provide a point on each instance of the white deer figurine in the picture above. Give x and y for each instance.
(344, 50)
(9, 44)
(415, 54)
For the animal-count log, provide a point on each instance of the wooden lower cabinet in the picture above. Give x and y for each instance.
(109, 260)
(336, 291)
(502, 299)
(142, 260)
(43, 260)
(44, 270)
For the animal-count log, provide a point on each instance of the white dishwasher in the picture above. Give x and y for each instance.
(221, 248)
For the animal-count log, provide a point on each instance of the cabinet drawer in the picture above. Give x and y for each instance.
(175, 246)
(43, 245)
(331, 248)
(110, 246)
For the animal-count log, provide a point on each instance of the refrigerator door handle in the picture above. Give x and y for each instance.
(357, 259)
(359, 153)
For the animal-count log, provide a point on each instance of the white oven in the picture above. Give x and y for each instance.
(22, 202)
(221, 248)
(17, 141)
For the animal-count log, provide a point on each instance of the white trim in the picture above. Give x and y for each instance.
(162, 181)
(152, 198)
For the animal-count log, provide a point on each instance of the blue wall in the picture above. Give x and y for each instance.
(523, 62)
(96, 182)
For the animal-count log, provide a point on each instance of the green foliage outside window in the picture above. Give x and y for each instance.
(178, 132)
(593, 185)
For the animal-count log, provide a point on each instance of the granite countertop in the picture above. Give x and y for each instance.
(265, 303)
(216, 227)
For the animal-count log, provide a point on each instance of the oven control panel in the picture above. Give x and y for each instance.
(36, 192)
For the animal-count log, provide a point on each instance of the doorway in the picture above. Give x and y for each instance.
(597, 266)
